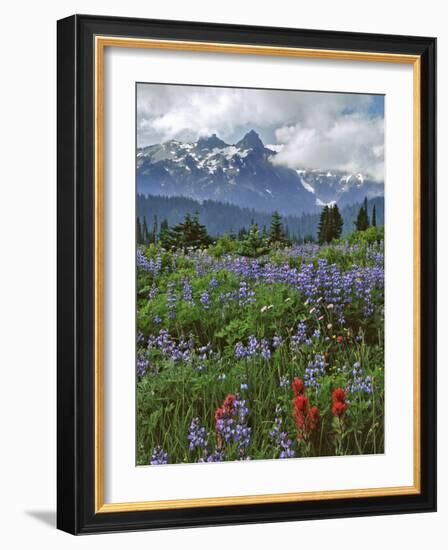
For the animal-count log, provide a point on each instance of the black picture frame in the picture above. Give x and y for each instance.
(76, 264)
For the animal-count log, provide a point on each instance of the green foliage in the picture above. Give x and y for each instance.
(224, 245)
(369, 236)
(253, 244)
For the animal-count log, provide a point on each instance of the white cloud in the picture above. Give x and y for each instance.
(353, 143)
(312, 129)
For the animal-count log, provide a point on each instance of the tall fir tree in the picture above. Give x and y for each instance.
(366, 211)
(139, 231)
(277, 233)
(155, 229)
(164, 233)
(362, 221)
(374, 216)
(145, 232)
(330, 224)
(323, 227)
(188, 233)
(336, 222)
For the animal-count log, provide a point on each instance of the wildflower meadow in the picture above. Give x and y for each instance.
(251, 347)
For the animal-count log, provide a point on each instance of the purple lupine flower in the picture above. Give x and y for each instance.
(216, 456)
(245, 295)
(243, 432)
(181, 350)
(314, 371)
(252, 345)
(153, 291)
(231, 422)
(265, 352)
(277, 341)
(142, 260)
(171, 299)
(213, 283)
(142, 365)
(205, 299)
(187, 293)
(299, 337)
(280, 437)
(197, 435)
(240, 351)
(360, 383)
(158, 456)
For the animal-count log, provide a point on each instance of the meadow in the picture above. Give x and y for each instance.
(280, 355)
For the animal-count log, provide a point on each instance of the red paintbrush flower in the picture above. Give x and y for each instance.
(338, 394)
(339, 408)
(219, 414)
(340, 339)
(298, 387)
(339, 405)
(301, 403)
(300, 413)
(229, 403)
(313, 418)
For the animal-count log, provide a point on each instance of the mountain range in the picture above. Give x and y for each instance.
(244, 174)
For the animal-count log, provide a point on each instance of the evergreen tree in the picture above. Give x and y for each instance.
(336, 222)
(155, 229)
(330, 224)
(189, 233)
(366, 211)
(164, 233)
(253, 245)
(277, 233)
(242, 233)
(374, 216)
(139, 232)
(323, 227)
(362, 221)
(145, 232)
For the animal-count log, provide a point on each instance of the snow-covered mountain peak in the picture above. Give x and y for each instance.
(243, 174)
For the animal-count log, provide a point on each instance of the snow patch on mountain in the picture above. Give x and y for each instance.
(321, 203)
(305, 184)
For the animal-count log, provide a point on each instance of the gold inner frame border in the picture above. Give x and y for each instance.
(100, 43)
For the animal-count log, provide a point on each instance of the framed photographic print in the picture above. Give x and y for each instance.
(246, 274)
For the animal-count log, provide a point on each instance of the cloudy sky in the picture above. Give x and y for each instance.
(310, 130)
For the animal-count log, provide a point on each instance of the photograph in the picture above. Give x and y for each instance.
(259, 273)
